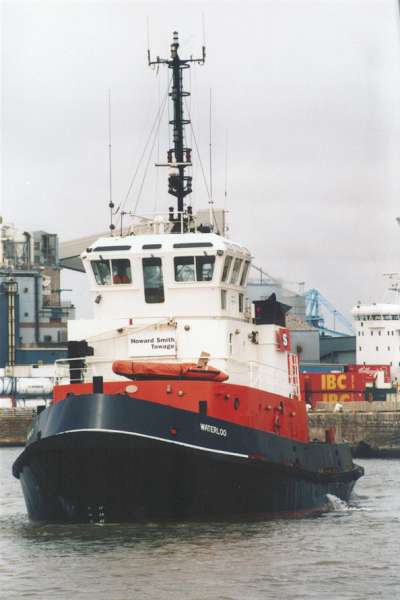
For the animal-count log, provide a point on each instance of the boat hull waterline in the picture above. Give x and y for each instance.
(107, 458)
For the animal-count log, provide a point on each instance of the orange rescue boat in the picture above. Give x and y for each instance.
(159, 370)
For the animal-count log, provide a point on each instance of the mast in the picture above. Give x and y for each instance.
(179, 156)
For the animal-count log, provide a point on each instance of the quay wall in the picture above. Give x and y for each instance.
(14, 425)
(371, 428)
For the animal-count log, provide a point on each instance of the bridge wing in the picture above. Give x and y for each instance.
(70, 251)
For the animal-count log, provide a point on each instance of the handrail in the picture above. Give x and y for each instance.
(278, 376)
(178, 360)
(156, 219)
(129, 329)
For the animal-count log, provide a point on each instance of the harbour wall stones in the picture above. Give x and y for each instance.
(373, 430)
(14, 426)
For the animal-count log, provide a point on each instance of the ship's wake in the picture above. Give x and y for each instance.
(336, 505)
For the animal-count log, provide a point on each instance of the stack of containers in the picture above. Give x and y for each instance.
(356, 383)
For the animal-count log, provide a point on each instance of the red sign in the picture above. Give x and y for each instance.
(370, 370)
(283, 339)
(336, 382)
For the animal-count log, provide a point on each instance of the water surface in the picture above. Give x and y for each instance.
(350, 553)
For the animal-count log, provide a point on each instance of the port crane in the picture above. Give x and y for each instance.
(314, 303)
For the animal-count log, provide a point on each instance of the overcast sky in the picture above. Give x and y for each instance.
(306, 92)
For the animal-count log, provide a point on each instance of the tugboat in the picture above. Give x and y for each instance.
(182, 398)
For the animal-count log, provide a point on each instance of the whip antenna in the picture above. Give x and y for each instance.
(226, 168)
(204, 29)
(226, 179)
(211, 201)
(110, 203)
(210, 148)
(148, 39)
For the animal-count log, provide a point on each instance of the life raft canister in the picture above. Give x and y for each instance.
(151, 370)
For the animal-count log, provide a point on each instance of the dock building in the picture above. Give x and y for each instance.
(33, 318)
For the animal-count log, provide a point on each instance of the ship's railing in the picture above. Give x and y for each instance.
(253, 373)
(263, 376)
(178, 221)
(159, 223)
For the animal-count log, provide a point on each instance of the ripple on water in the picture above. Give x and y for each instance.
(350, 552)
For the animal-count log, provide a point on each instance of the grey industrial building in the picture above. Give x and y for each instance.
(33, 319)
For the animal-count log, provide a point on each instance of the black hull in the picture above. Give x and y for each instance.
(100, 458)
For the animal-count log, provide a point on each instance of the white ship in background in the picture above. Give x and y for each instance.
(378, 335)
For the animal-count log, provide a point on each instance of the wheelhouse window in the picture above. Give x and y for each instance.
(184, 268)
(205, 268)
(116, 271)
(153, 280)
(227, 267)
(244, 272)
(235, 271)
(194, 268)
(101, 271)
(121, 271)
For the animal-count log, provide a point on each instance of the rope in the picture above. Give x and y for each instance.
(150, 155)
(127, 331)
(197, 151)
(155, 123)
(215, 224)
(169, 115)
(158, 154)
